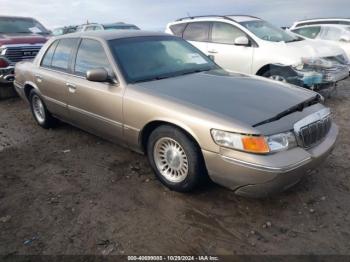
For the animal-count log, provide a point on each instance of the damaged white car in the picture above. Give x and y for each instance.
(250, 45)
(334, 34)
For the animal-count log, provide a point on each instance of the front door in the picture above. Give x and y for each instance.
(94, 106)
(225, 53)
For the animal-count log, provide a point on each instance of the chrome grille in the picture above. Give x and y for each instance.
(315, 132)
(19, 53)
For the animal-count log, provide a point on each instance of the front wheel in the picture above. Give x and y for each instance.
(41, 115)
(175, 158)
(277, 75)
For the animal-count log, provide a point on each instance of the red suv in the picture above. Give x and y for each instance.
(20, 38)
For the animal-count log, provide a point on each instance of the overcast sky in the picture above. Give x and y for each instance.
(155, 14)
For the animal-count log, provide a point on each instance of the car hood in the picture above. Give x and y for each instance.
(249, 99)
(25, 38)
(311, 48)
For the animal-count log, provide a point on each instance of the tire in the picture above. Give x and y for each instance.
(181, 158)
(277, 75)
(40, 113)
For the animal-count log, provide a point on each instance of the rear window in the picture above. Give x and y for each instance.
(178, 29)
(198, 31)
(61, 57)
(48, 55)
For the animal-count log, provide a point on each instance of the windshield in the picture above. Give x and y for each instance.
(120, 27)
(156, 57)
(268, 32)
(21, 25)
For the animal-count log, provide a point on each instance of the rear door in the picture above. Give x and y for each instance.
(51, 76)
(225, 53)
(94, 106)
(197, 33)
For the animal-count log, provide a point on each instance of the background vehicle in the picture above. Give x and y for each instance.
(322, 21)
(20, 38)
(111, 26)
(160, 95)
(250, 45)
(334, 34)
(64, 30)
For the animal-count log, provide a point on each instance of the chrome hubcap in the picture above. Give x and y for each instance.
(278, 78)
(170, 159)
(38, 109)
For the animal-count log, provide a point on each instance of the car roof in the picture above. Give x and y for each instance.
(118, 23)
(113, 34)
(323, 19)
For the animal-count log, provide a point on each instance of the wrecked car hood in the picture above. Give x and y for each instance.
(312, 48)
(249, 99)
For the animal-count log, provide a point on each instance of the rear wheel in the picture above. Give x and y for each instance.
(41, 115)
(175, 158)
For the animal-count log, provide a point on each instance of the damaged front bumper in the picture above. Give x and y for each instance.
(319, 78)
(7, 75)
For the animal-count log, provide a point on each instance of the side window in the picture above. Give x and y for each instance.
(178, 29)
(60, 59)
(46, 61)
(89, 28)
(90, 55)
(309, 32)
(224, 33)
(197, 31)
(332, 33)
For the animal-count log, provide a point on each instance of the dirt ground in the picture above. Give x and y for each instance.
(64, 191)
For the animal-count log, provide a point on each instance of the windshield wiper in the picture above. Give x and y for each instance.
(194, 71)
(172, 75)
(299, 107)
(294, 40)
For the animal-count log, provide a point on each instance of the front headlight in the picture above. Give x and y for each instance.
(2, 50)
(282, 141)
(253, 143)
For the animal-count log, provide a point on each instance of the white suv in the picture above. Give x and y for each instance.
(253, 46)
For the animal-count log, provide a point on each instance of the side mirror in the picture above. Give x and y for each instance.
(242, 40)
(345, 38)
(97, 75)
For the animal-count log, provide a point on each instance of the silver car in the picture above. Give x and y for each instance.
(159, 95)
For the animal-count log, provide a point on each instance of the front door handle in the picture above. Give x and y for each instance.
(212, 51)
(38, 78)
(71, 87)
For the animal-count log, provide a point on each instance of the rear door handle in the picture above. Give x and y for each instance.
(71, 87)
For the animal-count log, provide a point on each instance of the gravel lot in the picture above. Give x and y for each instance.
(64, 191)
